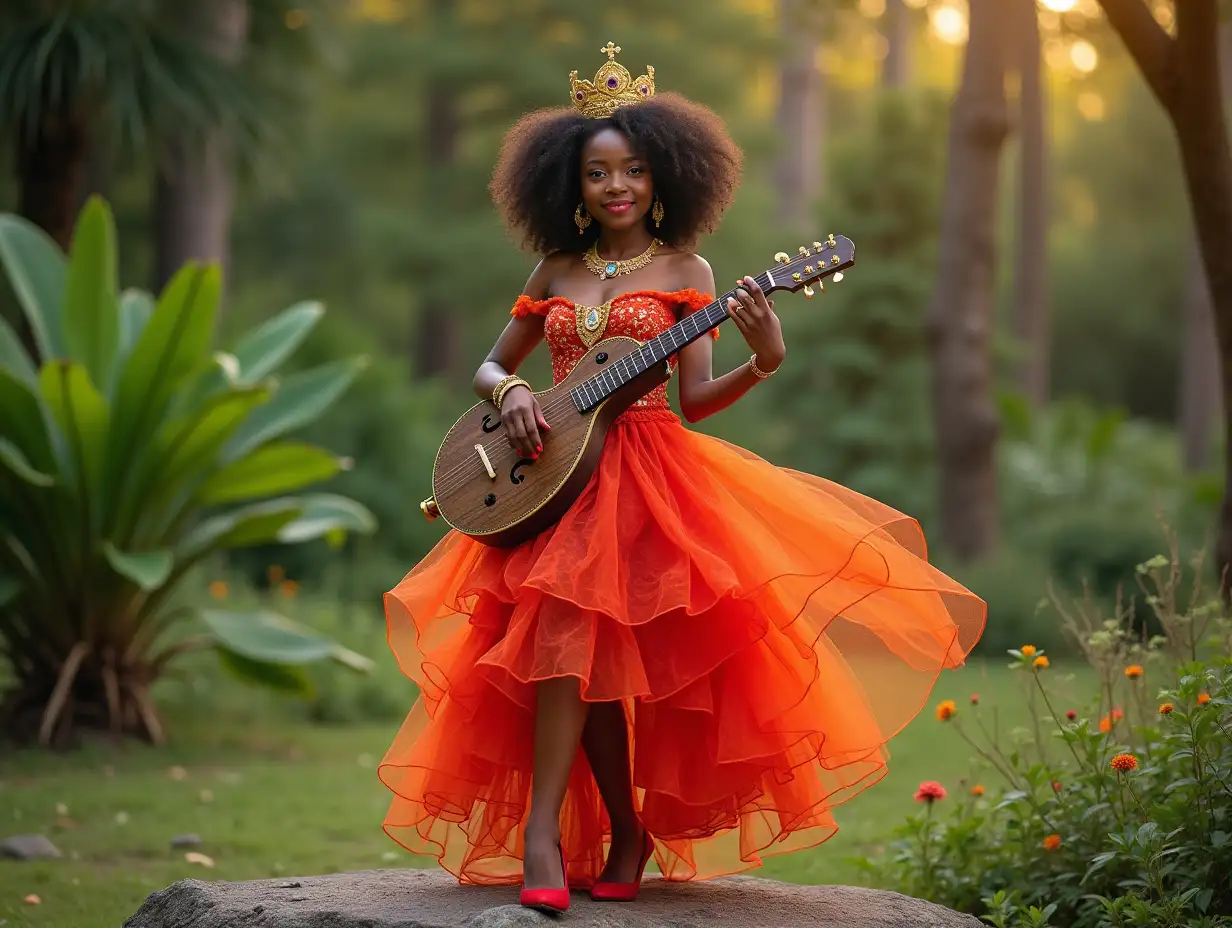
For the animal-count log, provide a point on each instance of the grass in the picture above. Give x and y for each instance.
(273, 796)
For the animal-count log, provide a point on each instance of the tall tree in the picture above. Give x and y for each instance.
(194, 182)
(1183, 74)
(896, 30)
(801, 115)
(960, 315)
(1029, 311)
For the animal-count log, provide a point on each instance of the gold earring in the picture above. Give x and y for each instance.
(656, 211)
(581, 218)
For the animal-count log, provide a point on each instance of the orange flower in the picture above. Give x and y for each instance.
(946, 710)
(1166, 708)
(977, 790)
(1028, 650)
(275, 574)
(1124, 763)
(1134, 671)
(218, 589)
(1056, 786)
(1040, 662)
(1106, 723)
(1204, 698)
(289, 588)
(930, 791)
(1052, 842)
(975, 699)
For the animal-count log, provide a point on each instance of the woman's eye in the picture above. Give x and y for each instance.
(595, 174)
(635, 170)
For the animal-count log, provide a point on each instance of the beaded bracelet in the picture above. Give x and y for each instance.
(757, 371)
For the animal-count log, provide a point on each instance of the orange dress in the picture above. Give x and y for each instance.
(767, 631)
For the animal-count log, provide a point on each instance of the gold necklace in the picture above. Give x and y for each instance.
(606, 269)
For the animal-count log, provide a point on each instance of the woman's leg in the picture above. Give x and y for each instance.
(606, 742)
(560, 715)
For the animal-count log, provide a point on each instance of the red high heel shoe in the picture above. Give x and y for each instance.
(625, 892)
(553, 901)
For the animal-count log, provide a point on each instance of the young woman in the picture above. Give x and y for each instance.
(707, 654)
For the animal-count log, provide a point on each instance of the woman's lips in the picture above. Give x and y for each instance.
(618, 206)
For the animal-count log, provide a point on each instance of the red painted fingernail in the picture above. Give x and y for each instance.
(538, 449)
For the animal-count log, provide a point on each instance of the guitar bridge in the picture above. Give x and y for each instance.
(487, 465)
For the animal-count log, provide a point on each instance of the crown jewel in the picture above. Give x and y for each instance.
(612, 88)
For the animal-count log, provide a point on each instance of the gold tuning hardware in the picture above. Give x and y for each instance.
(831, 242)
(818, 247)
(428, 508)
(834, 259)
(808, 292)
(821, 285)
(797, 277)
(838, 276)
(782, 257)
(803, 252)
(808, 268)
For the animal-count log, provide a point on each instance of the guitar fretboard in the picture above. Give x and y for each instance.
(593, 391)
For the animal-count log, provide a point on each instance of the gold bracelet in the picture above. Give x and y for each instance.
(757, 371)
(506, 384)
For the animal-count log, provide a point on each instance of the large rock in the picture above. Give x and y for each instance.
(433, 899)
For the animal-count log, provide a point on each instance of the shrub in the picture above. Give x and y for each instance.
(131, 453)
(1117, 815)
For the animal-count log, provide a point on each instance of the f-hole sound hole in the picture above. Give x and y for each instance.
(489, 425)
(514, 475)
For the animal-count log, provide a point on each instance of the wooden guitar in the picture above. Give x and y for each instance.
(483, 488)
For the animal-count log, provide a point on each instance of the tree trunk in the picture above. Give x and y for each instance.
(896, 30)
(194, 186)
(1199, 380)
(51, 170)
(1030, 306)
(438, 329)
(800, 118)
(960, 315)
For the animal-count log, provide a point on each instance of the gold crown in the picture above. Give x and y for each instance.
(612, 88)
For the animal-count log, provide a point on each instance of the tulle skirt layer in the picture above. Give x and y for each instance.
(766, 631)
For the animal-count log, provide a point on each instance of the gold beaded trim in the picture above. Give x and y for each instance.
(606, 269)
(757, 371)
(506, 384)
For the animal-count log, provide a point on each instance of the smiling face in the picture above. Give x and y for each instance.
(616, 186)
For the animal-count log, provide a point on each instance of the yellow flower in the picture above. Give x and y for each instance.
(1134, 671)
(218, 589)
(1052, 842)
(1204, 698)
(1040, 662)
(1166, 708)
(1124, 763)
(946, 710)
(1028, 650)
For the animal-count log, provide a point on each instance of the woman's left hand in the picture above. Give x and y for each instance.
(754, 316)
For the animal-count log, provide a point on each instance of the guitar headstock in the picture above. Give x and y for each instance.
(811, 265)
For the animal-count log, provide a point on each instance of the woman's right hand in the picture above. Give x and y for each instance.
(523, 420)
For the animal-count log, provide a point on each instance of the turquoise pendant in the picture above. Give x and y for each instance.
(610, 269)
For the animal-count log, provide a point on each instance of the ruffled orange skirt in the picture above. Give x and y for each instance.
(767, 631)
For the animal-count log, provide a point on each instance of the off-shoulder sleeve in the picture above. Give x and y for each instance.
(692, 300)
(526, 306)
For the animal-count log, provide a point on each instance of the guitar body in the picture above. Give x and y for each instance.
(500, 498)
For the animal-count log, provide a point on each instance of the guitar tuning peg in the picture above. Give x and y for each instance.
(817, 247)
(821, 285)
(803, 252)
(838, 276)
(782, 257)
(808, 292)
(831, 242)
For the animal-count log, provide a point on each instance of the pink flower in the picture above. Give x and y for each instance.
(930, 791)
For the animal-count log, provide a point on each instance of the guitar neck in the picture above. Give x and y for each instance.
(590, 393)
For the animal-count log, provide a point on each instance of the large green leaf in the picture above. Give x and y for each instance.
(91, 323)
(300, 399)
(270, 638)
(10, 587)
(262, 350)
(82, 415)
(136, 308)
(279, 467)
(257, 524)
(291, 679)
(12, 458)
(24, 422)
(174, 343)
(148, 569)
(326, 515)
(36, 268)
(13, 357)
